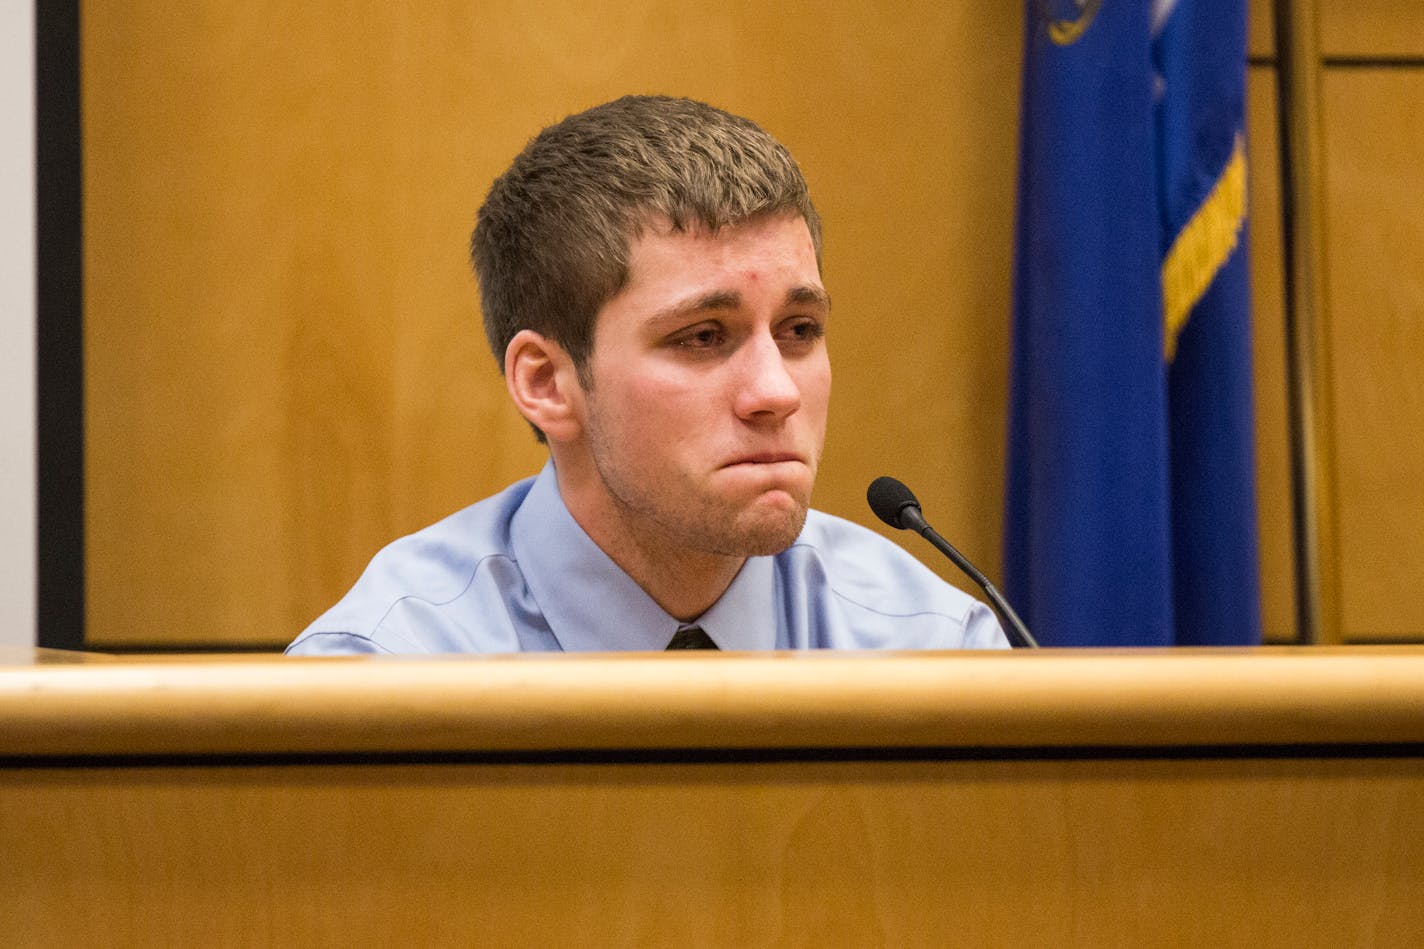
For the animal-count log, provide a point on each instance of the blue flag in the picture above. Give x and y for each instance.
(1130, 515)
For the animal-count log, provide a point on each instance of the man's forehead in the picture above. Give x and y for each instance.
(663, 243)
(659, 224)
(675, 270)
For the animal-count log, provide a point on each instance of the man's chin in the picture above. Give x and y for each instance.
(769, 532)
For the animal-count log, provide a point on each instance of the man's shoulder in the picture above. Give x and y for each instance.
(873, 570)
(879, 585)
(427, 573)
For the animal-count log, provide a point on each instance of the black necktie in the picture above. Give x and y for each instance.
(691, 637)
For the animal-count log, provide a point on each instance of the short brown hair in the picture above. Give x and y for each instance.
(551, 243)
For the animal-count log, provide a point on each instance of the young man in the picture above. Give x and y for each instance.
(650, 278)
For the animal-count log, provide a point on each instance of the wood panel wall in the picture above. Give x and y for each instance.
(284, 367)
(1371, 95)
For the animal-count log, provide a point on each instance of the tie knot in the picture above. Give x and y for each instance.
(691, 637)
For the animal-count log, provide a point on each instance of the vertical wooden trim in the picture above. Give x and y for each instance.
(59, 342)
(1307, 351)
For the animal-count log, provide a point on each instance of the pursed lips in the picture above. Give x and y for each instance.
(764, 458)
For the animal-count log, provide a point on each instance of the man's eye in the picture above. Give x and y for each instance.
(804, 331)
(704, 338)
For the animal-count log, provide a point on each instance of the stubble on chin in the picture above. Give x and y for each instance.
(753, 533)
(771, 536)
(714, 528)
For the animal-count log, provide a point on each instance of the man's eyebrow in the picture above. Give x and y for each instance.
(808, 296)
(716, 300)
(721, 300)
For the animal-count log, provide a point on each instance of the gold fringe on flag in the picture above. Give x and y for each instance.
(1203, 247)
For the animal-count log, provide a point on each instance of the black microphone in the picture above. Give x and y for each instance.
(897, 506)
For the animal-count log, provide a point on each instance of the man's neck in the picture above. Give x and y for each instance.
(684, 582)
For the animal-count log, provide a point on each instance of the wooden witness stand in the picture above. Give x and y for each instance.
(1266, 797)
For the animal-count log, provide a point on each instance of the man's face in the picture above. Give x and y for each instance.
(710, 382)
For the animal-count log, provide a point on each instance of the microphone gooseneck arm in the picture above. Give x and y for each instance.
(896, 505)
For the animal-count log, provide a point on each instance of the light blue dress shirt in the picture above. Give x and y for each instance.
(516, 573)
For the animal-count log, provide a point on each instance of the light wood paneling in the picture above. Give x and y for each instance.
(284, 368)
(1261, 853)
(376, 802)
(284, 364)
(1372, 28)
(1374, 154)
(1260, 28)
(1273, 474)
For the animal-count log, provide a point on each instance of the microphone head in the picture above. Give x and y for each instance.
(889, 498)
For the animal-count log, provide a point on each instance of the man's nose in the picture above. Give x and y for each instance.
(765, 387)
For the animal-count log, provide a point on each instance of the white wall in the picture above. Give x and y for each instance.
(17, 323)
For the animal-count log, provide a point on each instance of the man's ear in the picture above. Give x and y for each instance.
(541, 380)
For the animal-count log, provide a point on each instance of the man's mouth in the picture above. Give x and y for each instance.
(765, 458)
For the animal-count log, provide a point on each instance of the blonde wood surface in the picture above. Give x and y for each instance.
(29, 656)
(1374, 141)
(1372, 28)
(1204, 834)
(543, 703)
(1092, 853)
(1260, 28)
(284, 366)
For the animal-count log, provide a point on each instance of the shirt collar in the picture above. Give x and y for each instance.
(592, 605)
(745, 618)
